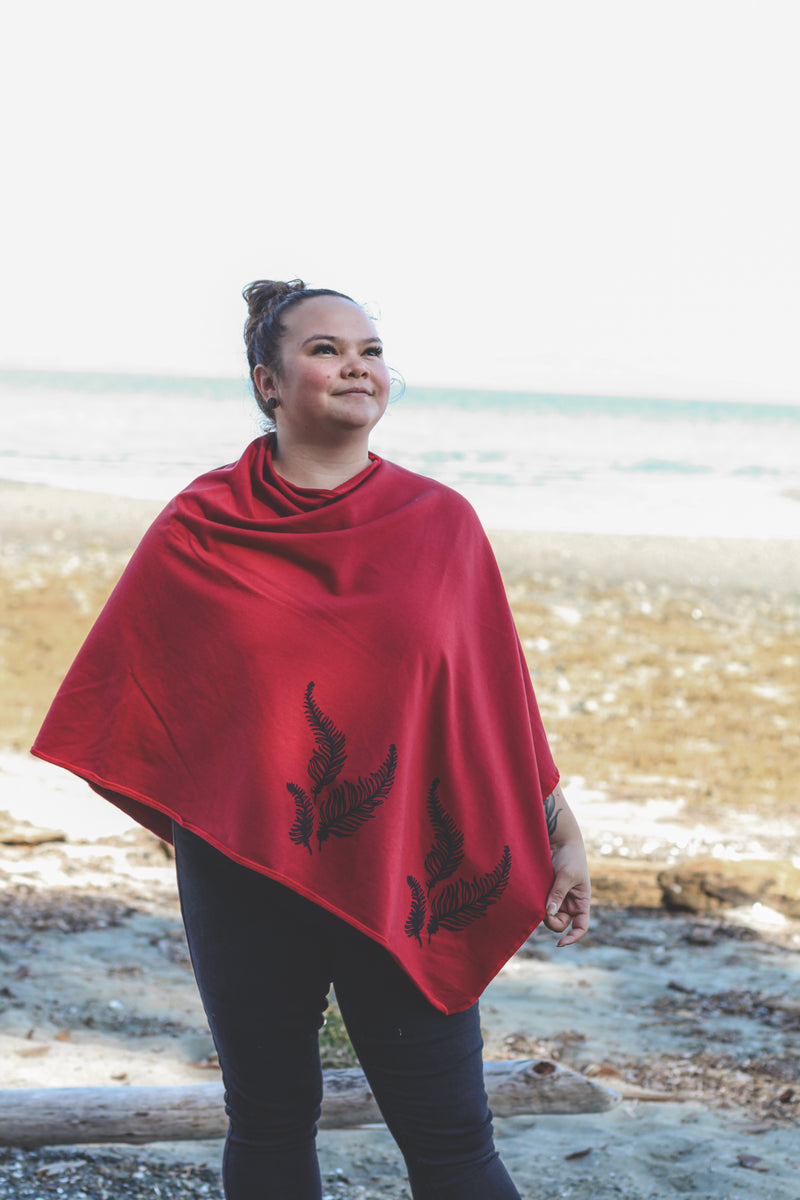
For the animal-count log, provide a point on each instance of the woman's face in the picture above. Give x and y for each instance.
(332, 380)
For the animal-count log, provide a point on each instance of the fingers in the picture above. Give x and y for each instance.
(556, 907)
(568, 906)
(556, 899)
(580, 927)
(557, 921)
(560, 923)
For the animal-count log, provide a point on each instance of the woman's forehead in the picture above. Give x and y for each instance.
(328, 315)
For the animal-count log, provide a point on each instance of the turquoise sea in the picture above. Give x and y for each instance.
(526, 461)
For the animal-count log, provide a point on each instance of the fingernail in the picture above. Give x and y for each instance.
(552, 908)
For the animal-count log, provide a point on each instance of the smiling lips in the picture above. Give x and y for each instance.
(354, 392)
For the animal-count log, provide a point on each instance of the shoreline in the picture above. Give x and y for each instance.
(37, 517)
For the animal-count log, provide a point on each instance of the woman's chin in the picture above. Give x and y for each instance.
(358, 415)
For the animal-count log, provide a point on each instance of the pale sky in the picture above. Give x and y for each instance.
(591, 195)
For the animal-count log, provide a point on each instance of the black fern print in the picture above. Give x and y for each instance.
(302, 830)
(447, 851)
(329, 756)
(456, 904)
(349, 805)
(415, 921)
(461, 902)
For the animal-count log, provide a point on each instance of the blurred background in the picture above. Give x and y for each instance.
(588, 208)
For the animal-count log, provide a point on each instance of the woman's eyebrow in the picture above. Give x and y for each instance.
(331, 337)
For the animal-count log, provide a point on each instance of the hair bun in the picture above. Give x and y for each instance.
(263, 296)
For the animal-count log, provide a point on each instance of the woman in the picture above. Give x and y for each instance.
(309, 679)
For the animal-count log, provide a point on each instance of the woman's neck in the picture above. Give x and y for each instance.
(315, 467)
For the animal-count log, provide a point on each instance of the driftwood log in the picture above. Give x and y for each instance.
(137, 1115)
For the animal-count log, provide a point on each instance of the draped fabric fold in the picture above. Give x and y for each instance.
(331, 690)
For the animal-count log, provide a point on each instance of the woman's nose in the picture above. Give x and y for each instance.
(354, 366)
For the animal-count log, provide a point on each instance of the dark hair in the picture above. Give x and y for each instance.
(268, 300)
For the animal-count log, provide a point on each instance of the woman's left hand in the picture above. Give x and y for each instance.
(570, 895)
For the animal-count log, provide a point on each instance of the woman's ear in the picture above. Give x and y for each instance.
(265, 382)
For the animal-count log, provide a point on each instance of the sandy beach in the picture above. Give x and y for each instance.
(667, 673)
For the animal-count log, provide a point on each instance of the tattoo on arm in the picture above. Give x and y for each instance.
(551, 813)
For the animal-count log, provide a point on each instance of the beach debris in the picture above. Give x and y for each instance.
(752, 1162)
(36, 1051)
(47, 1170)
(757, 1127)
(557, 1046)
(208, 1063)
(625, 883)
(173, 946)
(139, 1115)
(587, 1150)
(14, 832)
(709, 884)
(25, 909)
(778, 1010)
(112, 1176)
(701, 935)
(611, 1075)
(726, 1080)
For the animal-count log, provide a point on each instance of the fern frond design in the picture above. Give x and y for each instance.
(303, 827)
(447, 851)
(415, 921)
(461, 902)
(348, 806)
(329, 755)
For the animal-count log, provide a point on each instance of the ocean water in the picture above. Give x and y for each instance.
(539, 462)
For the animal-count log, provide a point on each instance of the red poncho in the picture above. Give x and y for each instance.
(336, 698)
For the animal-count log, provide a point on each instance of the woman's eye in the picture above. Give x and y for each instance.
(377, 351)
(324, 348)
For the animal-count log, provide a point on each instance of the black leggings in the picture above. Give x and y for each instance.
(264, 958)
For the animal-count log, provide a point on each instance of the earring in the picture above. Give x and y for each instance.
(397, 387)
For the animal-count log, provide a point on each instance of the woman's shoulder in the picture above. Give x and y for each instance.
(424, 485)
